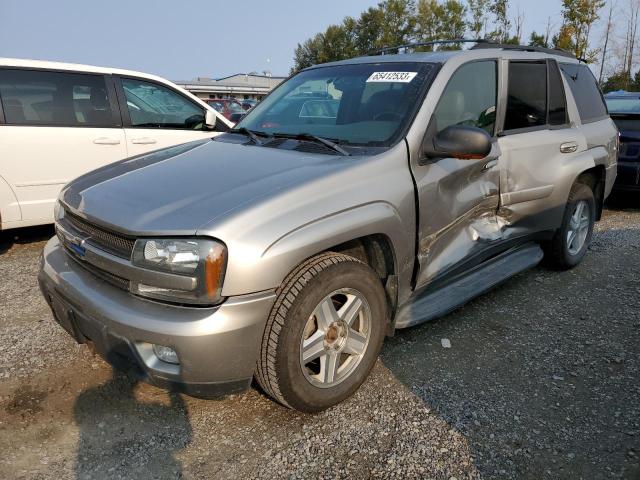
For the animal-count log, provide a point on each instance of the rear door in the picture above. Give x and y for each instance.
(539, 146)
(57, 126)
(157, 116)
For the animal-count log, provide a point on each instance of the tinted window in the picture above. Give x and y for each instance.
(32, 97)
(585, 92)
(557, 101)
(469, 98)
(154, 106)
(526, 96)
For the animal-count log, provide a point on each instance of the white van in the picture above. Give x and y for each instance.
(60, 120)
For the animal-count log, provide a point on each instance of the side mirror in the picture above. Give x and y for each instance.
(458, 141)
(210, 119)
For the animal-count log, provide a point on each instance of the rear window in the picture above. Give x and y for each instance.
(624, 105)
(584, 88)
(34, 97)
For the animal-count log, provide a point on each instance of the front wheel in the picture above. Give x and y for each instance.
(324, 333)
(571, 241)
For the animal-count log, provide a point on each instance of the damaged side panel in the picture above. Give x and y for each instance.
(458, 213)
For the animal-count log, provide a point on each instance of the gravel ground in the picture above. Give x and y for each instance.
(541, 381)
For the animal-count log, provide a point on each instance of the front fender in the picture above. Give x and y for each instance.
(268, 269)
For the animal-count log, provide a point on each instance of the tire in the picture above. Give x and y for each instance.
(303, 305)
(560, 254)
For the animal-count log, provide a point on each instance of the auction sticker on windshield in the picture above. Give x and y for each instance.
(402, 77)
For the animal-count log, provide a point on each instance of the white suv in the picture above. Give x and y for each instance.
(59, 121)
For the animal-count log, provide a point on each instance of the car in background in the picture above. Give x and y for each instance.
(624, 108)
(230, 108)
(249, 103)
(59, 120)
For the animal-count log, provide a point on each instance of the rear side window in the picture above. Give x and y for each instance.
(34, 97)
(586, 93)
(526, 96)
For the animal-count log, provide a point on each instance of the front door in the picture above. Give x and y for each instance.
(57, 126)
(459, 198)
(159, 117)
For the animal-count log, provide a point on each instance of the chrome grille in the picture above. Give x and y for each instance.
(114, 280)
(111, 242)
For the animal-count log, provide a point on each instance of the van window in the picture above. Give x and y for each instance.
(586, 93)
(38, 97)
(466, 101)
(153, 106)
(557, 100)
(526, 95)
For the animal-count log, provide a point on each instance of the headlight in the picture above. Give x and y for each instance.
(202, 259)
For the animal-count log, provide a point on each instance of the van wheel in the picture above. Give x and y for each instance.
(324, 333)
(571, 241)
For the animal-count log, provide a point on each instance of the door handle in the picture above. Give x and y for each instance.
(143, 141)
(569, 147)
(489, 165)
(106, 141)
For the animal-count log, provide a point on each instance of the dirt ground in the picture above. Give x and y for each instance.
(541, 381)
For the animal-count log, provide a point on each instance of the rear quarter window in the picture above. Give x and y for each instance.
(586, 93)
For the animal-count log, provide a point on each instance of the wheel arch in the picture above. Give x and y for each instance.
(595, 178)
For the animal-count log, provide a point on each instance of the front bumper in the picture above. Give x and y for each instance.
(217, 347)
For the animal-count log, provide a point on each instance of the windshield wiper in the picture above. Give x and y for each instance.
(253, 135)
(314, 138)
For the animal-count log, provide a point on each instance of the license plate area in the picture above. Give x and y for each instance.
(64, 316)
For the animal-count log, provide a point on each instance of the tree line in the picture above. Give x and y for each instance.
(399, 22)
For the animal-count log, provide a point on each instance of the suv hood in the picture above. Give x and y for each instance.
(178, 189)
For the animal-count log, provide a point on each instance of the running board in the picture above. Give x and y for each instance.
(430, 305)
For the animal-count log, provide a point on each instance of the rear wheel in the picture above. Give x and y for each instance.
(324, 333)
(571, 241)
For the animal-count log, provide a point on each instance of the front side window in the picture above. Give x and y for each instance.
(586, 93)
(469, 98)
(38, 97)
(153, 106)
(361, 104)
(526, 95)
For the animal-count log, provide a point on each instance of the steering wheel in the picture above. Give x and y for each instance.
(388, 116)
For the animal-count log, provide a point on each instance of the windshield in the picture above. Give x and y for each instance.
(368, 104)
(623, 104)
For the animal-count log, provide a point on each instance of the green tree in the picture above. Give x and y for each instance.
(500, 11)
(478, 10)
(440, 21)
(578, 17)
(538, 40)
(389, 24)
(618, 81)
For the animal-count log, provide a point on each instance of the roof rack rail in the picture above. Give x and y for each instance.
(480, 43)
(525, 48)
(382, 51)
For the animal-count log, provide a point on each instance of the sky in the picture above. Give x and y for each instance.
(185, 39)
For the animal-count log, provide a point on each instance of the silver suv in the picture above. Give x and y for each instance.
(359, 197)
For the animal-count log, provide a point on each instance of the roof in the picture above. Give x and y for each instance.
(444, 56)
(237, 80)
(78, 67)
(622, 93)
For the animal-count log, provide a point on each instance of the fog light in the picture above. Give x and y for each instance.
(166, 354)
